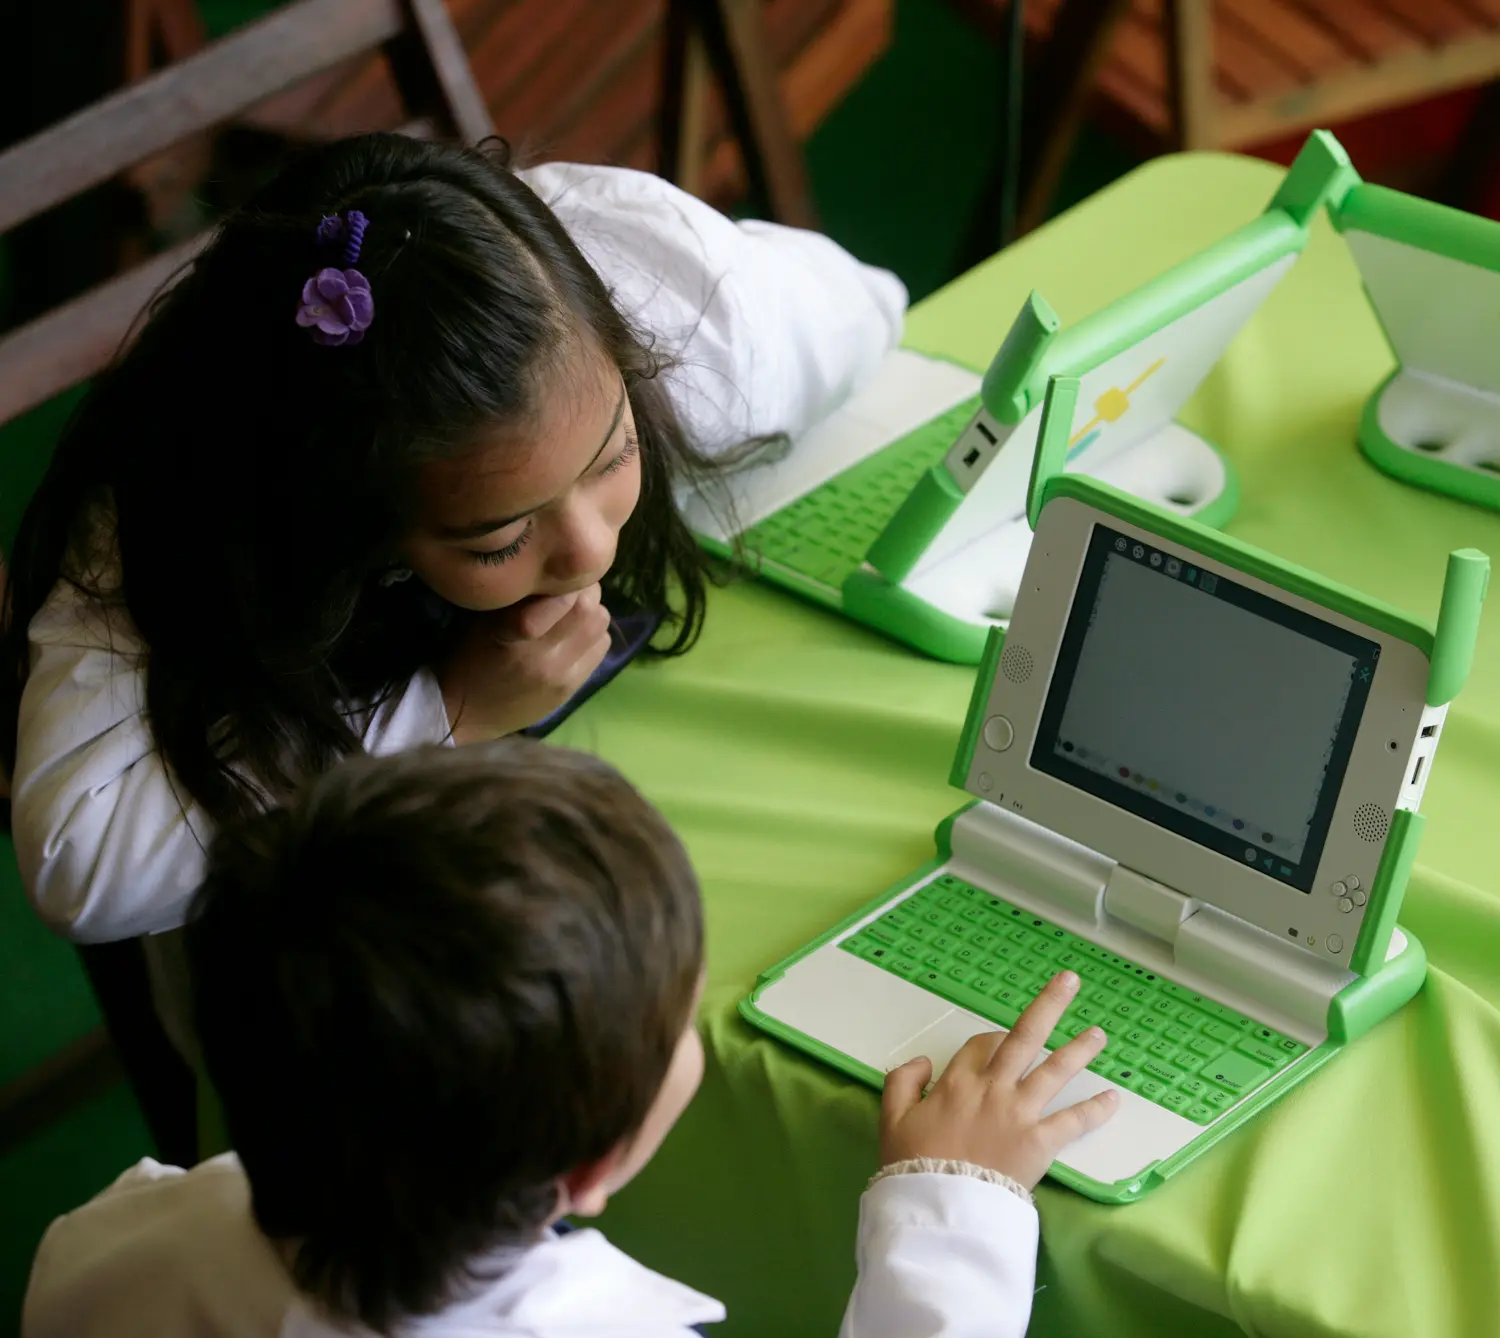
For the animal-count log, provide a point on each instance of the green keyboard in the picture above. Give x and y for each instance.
(826, 533)
(1168, 1044)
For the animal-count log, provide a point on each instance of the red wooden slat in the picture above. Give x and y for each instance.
(1434, 21)
(1286, 34)
(1363, 27)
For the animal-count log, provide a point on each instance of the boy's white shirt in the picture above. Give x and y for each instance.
(773, 328)
(164, 1253)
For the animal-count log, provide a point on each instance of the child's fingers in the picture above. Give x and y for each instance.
(532, 618)
(903, 1090)
(974, 1055)
(1055, 1072)
(1033, 1027)
(1072, 1122)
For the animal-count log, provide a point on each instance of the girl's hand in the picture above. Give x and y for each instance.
(518, 665)
(986, 1109)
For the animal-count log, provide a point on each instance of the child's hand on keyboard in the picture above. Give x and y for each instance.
(986, 1108)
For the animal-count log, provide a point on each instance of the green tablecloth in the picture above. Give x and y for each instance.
(804, 762)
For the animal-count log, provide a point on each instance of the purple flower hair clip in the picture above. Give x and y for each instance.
(337, 305)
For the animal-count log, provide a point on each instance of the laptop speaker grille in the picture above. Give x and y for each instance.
(1016, 662)
(1371, 822)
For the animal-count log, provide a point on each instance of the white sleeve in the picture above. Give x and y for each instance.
(942, 1256)
(773, 327)
(109, 846)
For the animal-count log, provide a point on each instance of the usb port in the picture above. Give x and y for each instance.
(1416, 771)
(985, 433)
(1429, 731)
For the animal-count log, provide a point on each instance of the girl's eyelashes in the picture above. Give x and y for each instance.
(499, 555)
(632, 445)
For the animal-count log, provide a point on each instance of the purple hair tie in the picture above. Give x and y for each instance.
(336, 302)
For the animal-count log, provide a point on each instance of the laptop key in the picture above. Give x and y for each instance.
(1272, 1059)
(1169, 1044)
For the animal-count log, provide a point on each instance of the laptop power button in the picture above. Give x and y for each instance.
(998, 734)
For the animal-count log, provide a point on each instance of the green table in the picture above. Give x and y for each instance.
(804, 762)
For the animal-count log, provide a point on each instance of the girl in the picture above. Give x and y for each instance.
(393, 462)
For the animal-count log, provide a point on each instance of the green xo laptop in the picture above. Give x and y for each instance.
(1432, 275)
(906, 510)
(1195, 776)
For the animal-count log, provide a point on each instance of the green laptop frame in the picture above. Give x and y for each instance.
(1454, 235)
(1038, 348)
(1381, 987)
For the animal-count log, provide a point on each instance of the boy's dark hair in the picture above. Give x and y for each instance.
(432, 985)
(262, 482)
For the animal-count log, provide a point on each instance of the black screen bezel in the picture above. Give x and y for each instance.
(1048, 760)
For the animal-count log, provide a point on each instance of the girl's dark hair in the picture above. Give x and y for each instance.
(430, 987)
(261, 482)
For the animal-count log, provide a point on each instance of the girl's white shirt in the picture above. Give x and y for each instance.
(772, 329)
(164, 1253)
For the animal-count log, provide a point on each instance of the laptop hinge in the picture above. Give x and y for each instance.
(1245, 958)
(1199, 945)
(1152, 907)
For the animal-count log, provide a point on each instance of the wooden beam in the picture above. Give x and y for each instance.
(1404, 77)
(222, 80)
(1190, 74)
(444, 65)
(858, 34)
(74, 341)
(734, 34)
(1061, 85)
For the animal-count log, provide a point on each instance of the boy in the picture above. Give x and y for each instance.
(447, 999)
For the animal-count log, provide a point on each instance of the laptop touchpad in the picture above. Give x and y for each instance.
(941, 1041)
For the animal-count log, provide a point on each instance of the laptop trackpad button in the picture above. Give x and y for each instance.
(940, 1041)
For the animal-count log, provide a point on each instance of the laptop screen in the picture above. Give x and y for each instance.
(1204, 706)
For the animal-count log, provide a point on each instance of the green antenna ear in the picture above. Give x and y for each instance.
(1011, 369)
(1051, 440)
(1457, 625)
(1320, 174)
